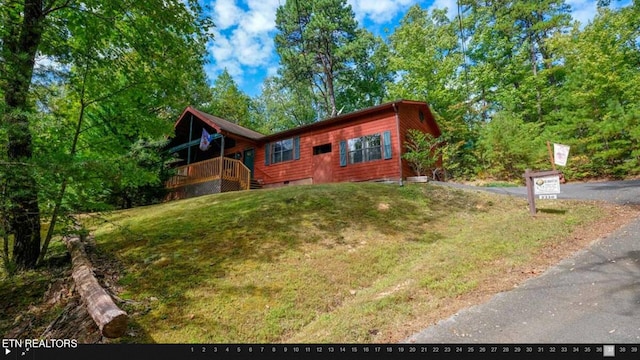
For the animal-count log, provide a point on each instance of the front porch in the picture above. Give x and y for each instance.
(211, 176)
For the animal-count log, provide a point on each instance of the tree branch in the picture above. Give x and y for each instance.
(50, 8)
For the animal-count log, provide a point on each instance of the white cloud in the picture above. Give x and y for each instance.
(243, 37)
(252, 49)
(582, 10)
(450, 5)
(273, 70)
(379, 11)
(262, 14)
(225, 13)
(585, 10)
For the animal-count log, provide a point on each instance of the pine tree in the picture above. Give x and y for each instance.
(319, 47)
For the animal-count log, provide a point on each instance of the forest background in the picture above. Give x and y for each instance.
(90, 90)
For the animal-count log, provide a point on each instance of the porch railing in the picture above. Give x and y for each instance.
(212, 169)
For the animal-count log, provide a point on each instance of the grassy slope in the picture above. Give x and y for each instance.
(330, 263)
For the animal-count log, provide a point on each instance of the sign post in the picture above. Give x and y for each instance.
(545, 184)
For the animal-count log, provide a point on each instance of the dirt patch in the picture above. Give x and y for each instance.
(383, 206)
(617, 217)
(63, 304)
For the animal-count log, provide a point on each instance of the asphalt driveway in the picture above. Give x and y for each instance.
(619, 192)
(591, 297)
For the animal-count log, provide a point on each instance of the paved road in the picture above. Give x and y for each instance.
(591, 297)
(620, 192)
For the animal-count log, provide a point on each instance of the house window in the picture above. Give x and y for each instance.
(282, 151)
(365, 148)
(322, 149)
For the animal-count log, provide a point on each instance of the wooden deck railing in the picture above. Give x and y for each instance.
(208, 170)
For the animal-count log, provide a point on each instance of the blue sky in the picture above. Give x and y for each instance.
(245, 29)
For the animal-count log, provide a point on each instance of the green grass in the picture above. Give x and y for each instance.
(329, 263)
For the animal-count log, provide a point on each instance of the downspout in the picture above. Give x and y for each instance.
(395, 109)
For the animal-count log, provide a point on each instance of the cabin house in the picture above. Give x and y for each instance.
(365, 145)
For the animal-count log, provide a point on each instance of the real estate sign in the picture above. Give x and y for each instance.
(546, 185)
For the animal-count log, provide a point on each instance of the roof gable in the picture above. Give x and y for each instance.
(224, 125)
(220, 124)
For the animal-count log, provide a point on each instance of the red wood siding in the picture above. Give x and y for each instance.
(295, 170)
(409, 116)
(396, 118)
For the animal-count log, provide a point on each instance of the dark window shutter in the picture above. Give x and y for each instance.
(296, 148)
(386, 141)
(343, 153)
(267, 152)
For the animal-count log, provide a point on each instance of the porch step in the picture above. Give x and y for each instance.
(255, 185)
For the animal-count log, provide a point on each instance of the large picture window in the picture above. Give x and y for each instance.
(365, 148)
(282, 151)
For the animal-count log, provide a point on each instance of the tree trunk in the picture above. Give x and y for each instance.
(331, 94)
(22, 192)
(21, 42)
(63, 187)
(534, 69)
(111, 321)
(4, 225)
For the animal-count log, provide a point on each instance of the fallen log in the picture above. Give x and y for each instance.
(111, 320)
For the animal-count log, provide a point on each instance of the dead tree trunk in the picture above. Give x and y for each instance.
(111, 320)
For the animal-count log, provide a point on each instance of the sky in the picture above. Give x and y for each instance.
(243, 36)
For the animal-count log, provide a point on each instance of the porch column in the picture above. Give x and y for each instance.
(221, 161)
(190, 138)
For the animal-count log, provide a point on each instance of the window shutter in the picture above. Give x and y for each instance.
(343, 153)
(386, 141)
(296, 148)
(267, 151)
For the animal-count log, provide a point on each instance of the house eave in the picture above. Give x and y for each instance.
(227, 128)
(346, 118)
